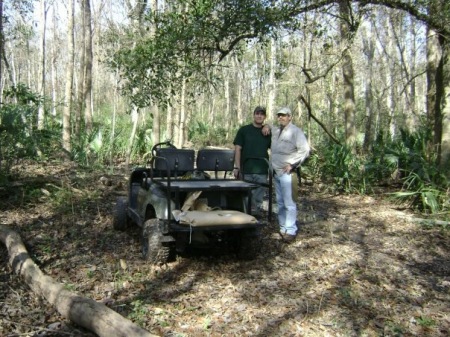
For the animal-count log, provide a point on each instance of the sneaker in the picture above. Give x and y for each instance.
(288, 238)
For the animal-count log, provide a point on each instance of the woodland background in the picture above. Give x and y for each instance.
(97, 81)
(88, 87)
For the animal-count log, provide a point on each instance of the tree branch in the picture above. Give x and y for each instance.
(324, 74)
(418, 12)
(308, 107)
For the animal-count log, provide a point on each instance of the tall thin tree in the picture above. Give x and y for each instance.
(87, 93)
(42, 54)
(347, 29)
(66, 136)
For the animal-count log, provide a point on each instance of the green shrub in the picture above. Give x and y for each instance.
(343, 168)
(424, 186)
(19, 136)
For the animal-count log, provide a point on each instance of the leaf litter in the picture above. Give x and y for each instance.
(358, 267)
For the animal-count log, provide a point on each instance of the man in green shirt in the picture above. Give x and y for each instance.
(249, 144)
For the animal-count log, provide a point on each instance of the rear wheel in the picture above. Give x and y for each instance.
(154, 249)
(121, 220)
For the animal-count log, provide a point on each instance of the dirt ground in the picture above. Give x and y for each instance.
(359, 267)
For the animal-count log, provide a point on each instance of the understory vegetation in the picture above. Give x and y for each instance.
(404, 166)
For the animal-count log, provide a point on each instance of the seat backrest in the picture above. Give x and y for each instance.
(178, 161)
(215, 160)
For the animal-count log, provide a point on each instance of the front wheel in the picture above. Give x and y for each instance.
(154, 249)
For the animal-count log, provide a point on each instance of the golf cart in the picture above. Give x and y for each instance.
(184, 198)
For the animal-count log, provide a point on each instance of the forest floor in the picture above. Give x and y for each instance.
(359, 267)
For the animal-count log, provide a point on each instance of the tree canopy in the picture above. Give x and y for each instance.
(199, 34)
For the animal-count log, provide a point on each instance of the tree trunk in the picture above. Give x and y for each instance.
(226, 118)
(156, 125)
(390, 84)
(176, 121)
(2, 52)
(348, 74)
(406, 67)
(87, 93)
(369, 51)
(182, 121)
(113, 124)
(239, 80)
(41, 108)
(69, 80)
(169, 119)
(53, 64)
(413, 69)
(433, 57)
(272, 88)
(80, 80)
(134, 120)
(85, 312)
(442, 122)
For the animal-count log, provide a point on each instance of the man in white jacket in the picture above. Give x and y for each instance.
(289, 149)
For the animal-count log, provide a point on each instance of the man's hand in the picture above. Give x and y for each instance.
(287, 168)
(236, 172)
(265, 130)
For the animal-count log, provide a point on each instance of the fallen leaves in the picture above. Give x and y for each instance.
(357, 267)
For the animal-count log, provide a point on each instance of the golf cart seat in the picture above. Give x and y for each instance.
(172, 162)
(215, 160)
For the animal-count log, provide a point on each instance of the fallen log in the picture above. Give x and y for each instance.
(85, 312)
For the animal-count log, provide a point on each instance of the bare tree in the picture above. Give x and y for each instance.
(66, 136)
(80, 80)
(183, 112)
(135, 14)
(442, 110)
(53, 62)
(2, 51)
(272, 86)
(391, 70)
(369, 51)
(169, 119)
(347, 28)
(239, 80)
(156, 126)
(434, 54)
(134, 120)
(87, 92)
(84, 106)
(42, 54)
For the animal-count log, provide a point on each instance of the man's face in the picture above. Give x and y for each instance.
(259, 117)
(283, 119)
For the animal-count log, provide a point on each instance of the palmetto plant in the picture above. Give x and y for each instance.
(418, 193)
(424, 186)
(344, 168)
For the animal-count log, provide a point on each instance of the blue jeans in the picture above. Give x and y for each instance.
(287, 208)
(257, 193)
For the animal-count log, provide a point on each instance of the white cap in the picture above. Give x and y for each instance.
(285, 111)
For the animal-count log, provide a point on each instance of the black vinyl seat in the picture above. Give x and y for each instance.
(215, 160)
(173, 162)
